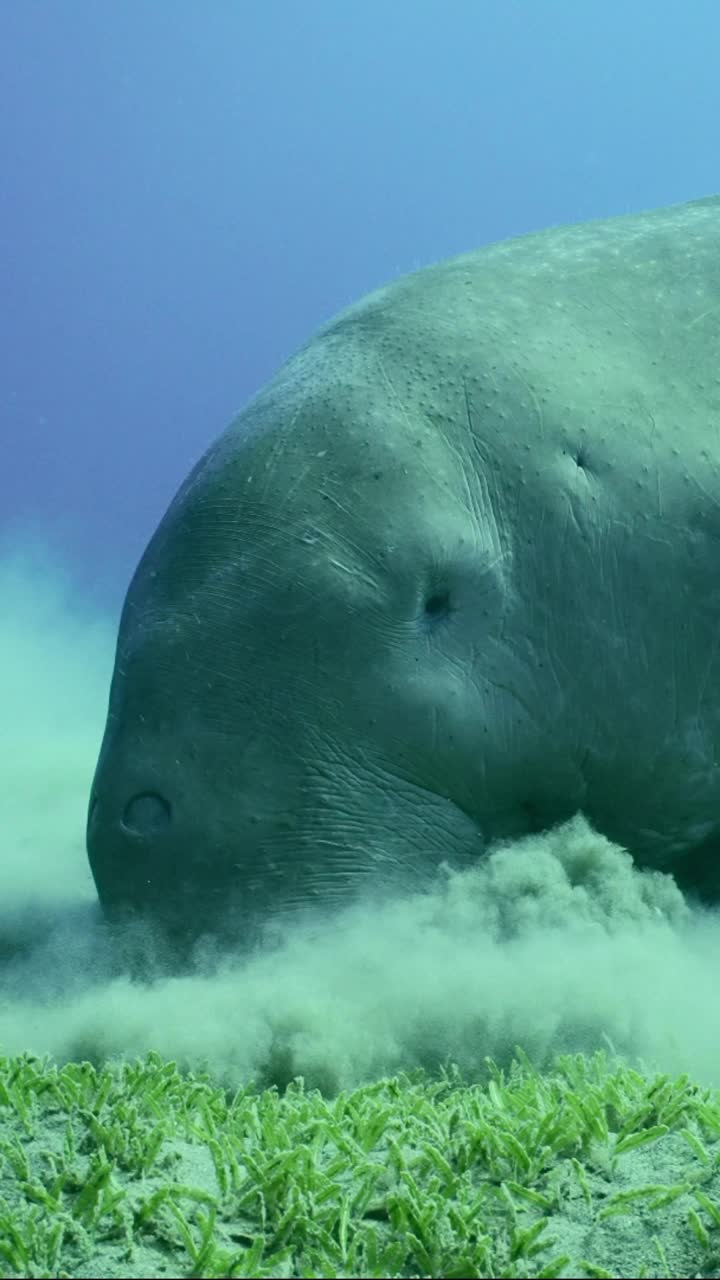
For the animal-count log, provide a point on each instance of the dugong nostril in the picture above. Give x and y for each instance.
(146, 814)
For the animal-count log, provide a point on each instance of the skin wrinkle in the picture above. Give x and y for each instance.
(360, 551)
(277, 452)
(472, 502)
(393, 394)
(604, 301)
(350, 822)
(700, 319)
(494, 540)
(540, 417)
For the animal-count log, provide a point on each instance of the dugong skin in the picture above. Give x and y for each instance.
(451, 576)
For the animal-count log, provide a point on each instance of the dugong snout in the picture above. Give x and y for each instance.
(130, 846)
(152, 864)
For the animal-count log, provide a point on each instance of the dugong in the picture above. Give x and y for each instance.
(451, 577)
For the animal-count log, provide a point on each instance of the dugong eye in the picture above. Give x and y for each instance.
(437, 605)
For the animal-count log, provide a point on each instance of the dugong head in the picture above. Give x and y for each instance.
(320, 688)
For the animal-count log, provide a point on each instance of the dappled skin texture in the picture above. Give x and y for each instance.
(449, 577)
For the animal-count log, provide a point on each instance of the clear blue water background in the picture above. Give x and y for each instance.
(188, 189)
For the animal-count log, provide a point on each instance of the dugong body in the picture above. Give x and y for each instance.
(452, 575)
